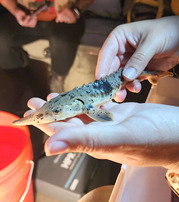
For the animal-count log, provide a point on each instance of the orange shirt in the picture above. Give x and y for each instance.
(46, 16)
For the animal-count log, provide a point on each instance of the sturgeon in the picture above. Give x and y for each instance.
(86, 99)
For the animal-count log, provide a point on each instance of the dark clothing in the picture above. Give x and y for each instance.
(175, 198)
(63, 39)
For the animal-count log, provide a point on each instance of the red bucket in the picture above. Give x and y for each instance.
(16, 163)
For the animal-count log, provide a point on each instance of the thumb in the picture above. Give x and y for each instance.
(85, 139)
(139, 60)
(20, 16)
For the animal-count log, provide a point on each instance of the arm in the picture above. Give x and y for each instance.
(20, 15)
(10, 5)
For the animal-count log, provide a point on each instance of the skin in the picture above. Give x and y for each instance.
(122, 140)
(66, 16)
(141, 134)
(151, 44)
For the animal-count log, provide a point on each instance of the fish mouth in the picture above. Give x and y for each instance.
(38, 117)
(28, 120)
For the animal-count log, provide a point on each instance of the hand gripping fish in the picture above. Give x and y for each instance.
(85, 100)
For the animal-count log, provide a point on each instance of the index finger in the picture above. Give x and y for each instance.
(107, 57)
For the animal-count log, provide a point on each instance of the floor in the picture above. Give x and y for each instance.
(83, 66)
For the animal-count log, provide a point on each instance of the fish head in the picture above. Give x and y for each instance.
(52, 111)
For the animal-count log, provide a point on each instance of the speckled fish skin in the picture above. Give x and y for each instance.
(85, 99)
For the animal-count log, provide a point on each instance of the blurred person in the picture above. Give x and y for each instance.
(63, 29)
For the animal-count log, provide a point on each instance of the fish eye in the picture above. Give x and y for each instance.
(56, 110)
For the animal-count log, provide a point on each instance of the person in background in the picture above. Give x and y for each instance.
(150, 44)
(63, 28)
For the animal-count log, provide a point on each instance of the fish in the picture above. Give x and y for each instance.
(86, 99)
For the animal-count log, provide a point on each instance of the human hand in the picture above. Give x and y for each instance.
(140, 135)
(66, 16)
(151, 44)
(23, 19)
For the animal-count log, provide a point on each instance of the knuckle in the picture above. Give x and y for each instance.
(139, 58)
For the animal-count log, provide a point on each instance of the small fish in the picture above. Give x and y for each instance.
(85, 99)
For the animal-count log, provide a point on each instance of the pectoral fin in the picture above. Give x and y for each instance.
(98, 114)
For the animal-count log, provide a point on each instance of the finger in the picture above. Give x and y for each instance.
(25, 21)
(94, 136)
(76, 121)
(52, 95)
(28, 112)
(32, 22)
(81, 139)
(58, 19)
(52, 128)
(139, 60)
(134, 86)
(114, 65)
(35, 103)
(120, 95)
(92, 139)
(106, 56)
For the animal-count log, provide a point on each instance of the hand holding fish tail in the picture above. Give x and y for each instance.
(150, 44)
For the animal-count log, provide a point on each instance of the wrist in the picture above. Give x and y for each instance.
(77, 12)
(14, 11)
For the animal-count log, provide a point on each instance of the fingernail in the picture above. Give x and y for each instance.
(56, 147)
(137, 86)
(130, 73)
(120, 96)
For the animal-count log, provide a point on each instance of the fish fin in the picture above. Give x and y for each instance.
(153, 80)
(98, 114)
(153, 76)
